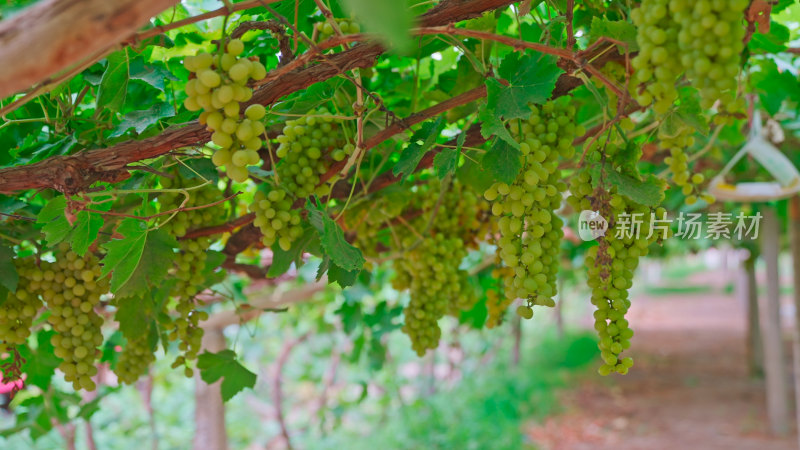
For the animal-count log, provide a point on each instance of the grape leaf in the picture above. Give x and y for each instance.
(114, 84)
(492, 124)
(56, 228)
(152, 74)
(445, 162)
(391, 20)
(412, 155)
(282, 260)
(336, 274)
(40, 364)
(140, 120)
(138, 260)
(531, 78)
(85, 230)
(132, 314)
(9, 278)
(620, 30)
(649, 192)
(502, 162)
(773, 42)
(235, 377)
(331, 236)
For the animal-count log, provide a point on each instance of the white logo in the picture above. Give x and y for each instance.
(591, 225)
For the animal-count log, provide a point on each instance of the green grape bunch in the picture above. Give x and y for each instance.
(430, 273)
(610, 265)
(308, 146)
(71, 289)
(218, 86)
(530, 229)
(21, 307)
(275, 218)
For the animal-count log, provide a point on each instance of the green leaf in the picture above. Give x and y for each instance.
(140, 120)
(331, 236)
(114, 84)
(56, 228)
(773, 42)
(140, 259)
(132, 315)
(85, 230)
(689, 110)
(531, 78)
(649, 192)
(446, 161)
(502, 162)
(412, 155)
(390, 20)
(620, 30)
(235, 377)
(336, 274)
(9, 278)
(282, 260)
(492, 124)
(152, 74)
(41, 364)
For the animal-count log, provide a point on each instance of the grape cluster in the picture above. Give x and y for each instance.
(21, 307)
(218, 86)
(496, 301)
(190, 264)
(71, 288)
(308, 147)
(324, 30)
(529, 227)
(275, 218)
(689, 183)
(134, 360)
(610, 264)
(710, 41)
(708, 37)
(430, 273)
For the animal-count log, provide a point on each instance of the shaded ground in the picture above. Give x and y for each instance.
(689, 388)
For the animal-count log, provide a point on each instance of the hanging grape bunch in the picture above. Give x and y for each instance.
(218, 86)
(71, 287)
(702, 39)
(308, 147)
(610, 265)
(20, 308)
(275, 218)
(530, 230)
(191, 262)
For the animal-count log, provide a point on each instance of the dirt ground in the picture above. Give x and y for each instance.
(689, 388)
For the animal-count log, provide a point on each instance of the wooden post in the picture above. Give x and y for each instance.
(747, 290)
(209, 410)
(794, 233)
(774, 362)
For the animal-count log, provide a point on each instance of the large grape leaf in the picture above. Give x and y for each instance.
(331, 236)
(235, 377)
(502, 162)
(531, 78)
(446, 161)
(133, 313)
(620, 30)
(40, 364)
(139, 260)
(492, 124)
(336, 274)
(140, 120)
(56, 228)
(85, 230)
(114, 84)
(391, 20)
(419, 144)
(282, 260)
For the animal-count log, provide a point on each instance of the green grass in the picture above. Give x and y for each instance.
(672, 290)
(487, 409)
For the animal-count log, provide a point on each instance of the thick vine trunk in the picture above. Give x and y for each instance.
(209, 412)
(774, 362)
(748, 296)
(54, 35)
(794, 232)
